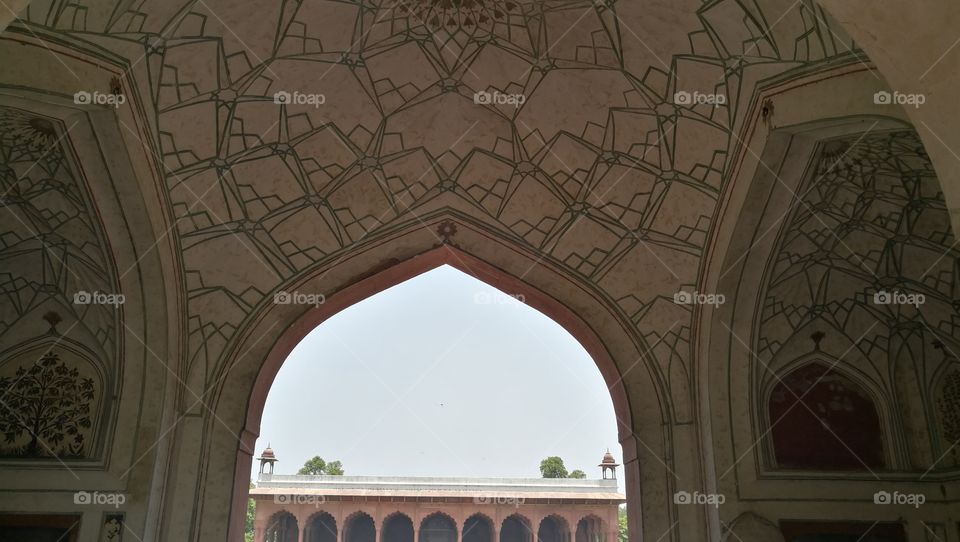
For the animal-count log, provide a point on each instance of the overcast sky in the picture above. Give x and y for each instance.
(441, 375)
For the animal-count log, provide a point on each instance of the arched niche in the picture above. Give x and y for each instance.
(735, 362)
(821, 419)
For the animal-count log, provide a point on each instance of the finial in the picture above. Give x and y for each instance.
(53, 318)
(817, 336)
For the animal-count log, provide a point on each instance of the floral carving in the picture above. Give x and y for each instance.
(46, 404)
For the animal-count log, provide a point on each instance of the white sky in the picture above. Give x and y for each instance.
(441, 375)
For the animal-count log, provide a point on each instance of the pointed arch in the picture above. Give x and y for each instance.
(275, 329)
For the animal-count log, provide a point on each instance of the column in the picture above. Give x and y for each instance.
(299, 515)
(535, 527)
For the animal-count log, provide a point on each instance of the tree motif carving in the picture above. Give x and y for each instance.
(949, 406)
(48, 402)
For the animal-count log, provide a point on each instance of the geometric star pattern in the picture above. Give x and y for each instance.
(869, 255)
(600, 186)
(51, 243)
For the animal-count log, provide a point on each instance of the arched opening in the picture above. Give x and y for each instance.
(478, 528)
(283, 342)
(590, 529)
(398, 528)
(438, 527)
(282, 527)
(553, 529)
(516, 528)
(820, 419)
(359, 528)
(321, 527)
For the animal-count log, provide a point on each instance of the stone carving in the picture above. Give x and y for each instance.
(112, 528)
(948, 408)
(464, 15)
(47, 410)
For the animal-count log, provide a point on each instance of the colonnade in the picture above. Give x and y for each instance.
(432, 523)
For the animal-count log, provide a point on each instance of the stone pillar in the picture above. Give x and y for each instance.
(300, 516)
(535, 520)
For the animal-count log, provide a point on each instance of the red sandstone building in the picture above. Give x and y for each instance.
(294, 508)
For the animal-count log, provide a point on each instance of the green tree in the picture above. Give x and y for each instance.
(316, 465)
(577, 473)
(552, 467)
(251, 514)
(622, 525)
